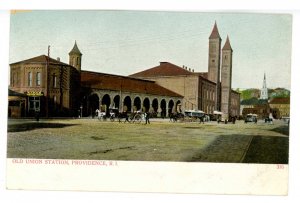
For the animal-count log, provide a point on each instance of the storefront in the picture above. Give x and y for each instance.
(34, 102)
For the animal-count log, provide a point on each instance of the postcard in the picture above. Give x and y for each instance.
(149, 101)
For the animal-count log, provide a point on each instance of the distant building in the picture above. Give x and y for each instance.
(264, 90)
(280, 107)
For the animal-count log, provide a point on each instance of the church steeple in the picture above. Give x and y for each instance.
(75, 57)
(264, 90)
(215, 32)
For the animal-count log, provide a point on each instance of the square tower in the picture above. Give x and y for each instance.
(214, 62)
(226, 79)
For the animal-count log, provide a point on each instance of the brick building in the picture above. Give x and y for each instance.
(280, 107)
(208, 91)
(54, 88)
(49, 86)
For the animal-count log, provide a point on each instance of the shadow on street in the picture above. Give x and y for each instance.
(19, 127)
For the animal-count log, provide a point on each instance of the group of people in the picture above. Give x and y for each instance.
(102, 115)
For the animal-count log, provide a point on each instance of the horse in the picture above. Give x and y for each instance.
(175, 116)
(100, 115)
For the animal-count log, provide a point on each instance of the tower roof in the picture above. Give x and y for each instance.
(215, 32)
(75, 50)
(227, 45)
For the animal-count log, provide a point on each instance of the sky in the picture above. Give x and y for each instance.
(126, 42)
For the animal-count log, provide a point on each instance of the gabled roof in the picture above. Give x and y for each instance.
(122, 83)
(41, 59)
(227, 45)
(215, 33)
(75, 50)
(164, 69)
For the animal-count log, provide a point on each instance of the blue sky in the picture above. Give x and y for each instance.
(124, 42)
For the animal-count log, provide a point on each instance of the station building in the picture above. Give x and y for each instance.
(53, 88)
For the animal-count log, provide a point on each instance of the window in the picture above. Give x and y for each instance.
(34, 103)
(29, 79)
(54, 80)
(38, 79)
(77, 61)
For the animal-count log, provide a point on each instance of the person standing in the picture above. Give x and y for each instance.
(147, 115)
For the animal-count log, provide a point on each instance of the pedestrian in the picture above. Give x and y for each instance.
(147, 115)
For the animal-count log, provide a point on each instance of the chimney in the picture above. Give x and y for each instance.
(162, 63)
(58, 59)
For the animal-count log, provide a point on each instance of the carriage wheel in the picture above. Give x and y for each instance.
(137, 118)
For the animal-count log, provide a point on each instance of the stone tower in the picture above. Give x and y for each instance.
(264, 90)
(226, 75)
(75, 57)
(214, 62)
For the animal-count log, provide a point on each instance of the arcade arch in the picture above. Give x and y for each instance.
(93, 104)
(127, 104)
(116, 102)
(163, 107)
(137, 104)
(155, 105)
(146, 104)
(170, 107)
(105, 103)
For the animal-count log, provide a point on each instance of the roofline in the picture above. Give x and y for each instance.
(114, 75)
(57, 62)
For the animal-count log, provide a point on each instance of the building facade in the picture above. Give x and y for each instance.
(50, 86)
(54, 88)
(209, 91)
(280, 107)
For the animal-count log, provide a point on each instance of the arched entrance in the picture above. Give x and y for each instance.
(163, 106)
(146, 104)
(178, 106)
(137, 104)
(127, 104)
(170, 106)
(105, 103)
(116, 103)
(155, 105)
(93, 104)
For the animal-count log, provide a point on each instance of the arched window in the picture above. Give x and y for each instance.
(54, 80)
(77, 61)
(38, 79)
(29, 79)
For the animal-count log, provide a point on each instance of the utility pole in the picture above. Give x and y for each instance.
(47, 83)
